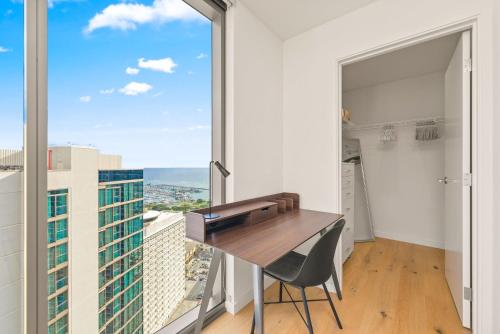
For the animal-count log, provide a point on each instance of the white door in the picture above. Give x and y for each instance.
(457, 177)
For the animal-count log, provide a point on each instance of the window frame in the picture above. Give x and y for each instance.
(35, 316)
(214, 10)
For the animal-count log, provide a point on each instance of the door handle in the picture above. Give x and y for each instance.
(443, 180)
(446, 180)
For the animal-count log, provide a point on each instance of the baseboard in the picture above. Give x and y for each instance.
(410, 239)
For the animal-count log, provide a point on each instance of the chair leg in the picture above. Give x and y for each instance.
(336, 283)
(306, 308)
(332, 306)
(281, 292)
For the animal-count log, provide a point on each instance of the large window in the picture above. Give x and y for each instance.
(135, 115)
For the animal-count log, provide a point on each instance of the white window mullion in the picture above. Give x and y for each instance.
(35, 167)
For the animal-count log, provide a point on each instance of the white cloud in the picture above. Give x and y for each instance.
(165, 65)
(190, 72)
(132, 70)
(199, 109)
(198, 127)
(107, 91)
(85, 99)
(135, 88)
(4, 50)
(127, 16)
(201, 56)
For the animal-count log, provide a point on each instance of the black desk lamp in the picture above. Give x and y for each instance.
(224, 173)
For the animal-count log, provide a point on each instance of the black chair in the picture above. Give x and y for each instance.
(307, 271)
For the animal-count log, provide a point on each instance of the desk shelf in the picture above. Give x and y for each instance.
(237, 214)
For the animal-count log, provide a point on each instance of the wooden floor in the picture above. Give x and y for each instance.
(389, 287)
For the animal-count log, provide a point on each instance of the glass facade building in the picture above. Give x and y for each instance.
(57, 258)
(120, 251)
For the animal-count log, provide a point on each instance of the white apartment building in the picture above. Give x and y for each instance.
(11, 252)
(164, 267)
(74, 169)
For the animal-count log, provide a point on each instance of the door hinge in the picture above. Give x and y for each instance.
(468, 65)
(467, 180)
(468, 294)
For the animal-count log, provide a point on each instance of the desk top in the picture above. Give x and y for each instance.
(267, 241)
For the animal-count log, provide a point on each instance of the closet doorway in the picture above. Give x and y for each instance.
(406, 157)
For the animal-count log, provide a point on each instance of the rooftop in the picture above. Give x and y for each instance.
(155, 221)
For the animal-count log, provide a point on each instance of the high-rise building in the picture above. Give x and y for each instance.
(94, 242)
(120, 251)
(57, 260)
(11, 249)
(73, 179)
(164, 267)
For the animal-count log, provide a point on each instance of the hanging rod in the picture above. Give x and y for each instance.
(411, 122)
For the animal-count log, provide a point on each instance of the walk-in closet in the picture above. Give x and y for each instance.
(406, 155)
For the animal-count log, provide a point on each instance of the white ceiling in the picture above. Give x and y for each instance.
(420, 59)
(288, 18)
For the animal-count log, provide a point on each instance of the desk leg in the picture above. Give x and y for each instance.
(207, 294)
(258, 298)
(334, 274)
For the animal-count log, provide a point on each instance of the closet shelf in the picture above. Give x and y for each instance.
(411, 122)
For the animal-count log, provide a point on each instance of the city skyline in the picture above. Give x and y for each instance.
(153, 101)
(148, 273)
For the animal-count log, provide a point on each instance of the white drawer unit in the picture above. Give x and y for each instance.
(348, 209)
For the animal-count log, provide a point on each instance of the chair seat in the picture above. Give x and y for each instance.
(287, 268)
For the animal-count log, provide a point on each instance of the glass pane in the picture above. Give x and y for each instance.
(130, 139)
(11, 165)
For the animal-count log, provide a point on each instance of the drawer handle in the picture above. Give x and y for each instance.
(347, 209)
(348, 194)
(347, 229)
(264, 209)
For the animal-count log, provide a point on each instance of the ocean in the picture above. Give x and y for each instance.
(186, 177)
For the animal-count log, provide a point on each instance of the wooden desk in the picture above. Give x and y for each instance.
(268, 241)
(260, 231)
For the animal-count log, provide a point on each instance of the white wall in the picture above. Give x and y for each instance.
(311, 82)
(406, 199)
(254, 125)
(311, 138)
(411, 98)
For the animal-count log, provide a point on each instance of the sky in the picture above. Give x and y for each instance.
(129, 78)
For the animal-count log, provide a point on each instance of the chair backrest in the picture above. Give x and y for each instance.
(318, 265)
